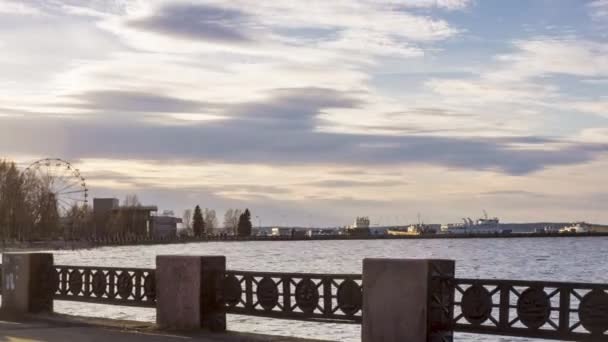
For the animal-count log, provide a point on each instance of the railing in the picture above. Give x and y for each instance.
(534, 309)
(549, 310)
(302, 296)
(106, 285)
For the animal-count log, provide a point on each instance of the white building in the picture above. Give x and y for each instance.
(281, 231)
(361, 222)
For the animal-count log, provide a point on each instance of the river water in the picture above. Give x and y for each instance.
(561, 259)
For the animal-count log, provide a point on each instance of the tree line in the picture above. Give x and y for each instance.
(29, 211)
(204, 222)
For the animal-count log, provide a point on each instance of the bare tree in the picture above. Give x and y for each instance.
(231, 220)
(210, 220)
(187, 221)
(187, 218)
(132, 201)
(235, 220)
(228, 219)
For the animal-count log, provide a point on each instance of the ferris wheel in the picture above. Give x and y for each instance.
(64, 182)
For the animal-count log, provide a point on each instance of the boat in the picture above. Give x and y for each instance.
(577, 227)
(483, 225)
(412, 230)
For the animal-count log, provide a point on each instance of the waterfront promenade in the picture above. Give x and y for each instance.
(391, 300)
(60, 328)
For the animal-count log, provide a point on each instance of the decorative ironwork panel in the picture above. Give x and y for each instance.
(440, 301)
(105, 285)
(301, 296)
(549, 310)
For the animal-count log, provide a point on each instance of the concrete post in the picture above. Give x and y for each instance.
(27, 283)
(407, 300)
(188, 292)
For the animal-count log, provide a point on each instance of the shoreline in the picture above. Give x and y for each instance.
(90, 244)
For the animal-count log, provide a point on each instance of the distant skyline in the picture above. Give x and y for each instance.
(315, 112)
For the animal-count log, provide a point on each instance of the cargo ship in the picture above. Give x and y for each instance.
(483, 225)
(414, 229)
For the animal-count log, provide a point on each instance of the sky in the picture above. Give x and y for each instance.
(315, 112)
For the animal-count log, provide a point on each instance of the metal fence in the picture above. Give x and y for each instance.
(302, 296)
(534, 309)
(106, 285)
(549, 310)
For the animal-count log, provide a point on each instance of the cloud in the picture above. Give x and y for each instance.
(598, 9)
(293, 108)
(599, 106)
(290, 107)
(18, 8)
(594, 135)
(379, 27)
(132, 101)
(199, 22)
(484, 91)
(443, 4)
(553, 56)
(342, 183)
(514, 193)
(237, 141)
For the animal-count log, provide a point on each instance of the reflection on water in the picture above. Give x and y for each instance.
(560, 259)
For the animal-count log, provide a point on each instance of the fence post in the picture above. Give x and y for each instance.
(188, 292)
(407, 300)
(28, 283)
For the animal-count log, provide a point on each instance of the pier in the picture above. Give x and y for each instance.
(392, 299)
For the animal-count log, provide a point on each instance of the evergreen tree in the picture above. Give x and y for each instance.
(198, 224)
(245, 226)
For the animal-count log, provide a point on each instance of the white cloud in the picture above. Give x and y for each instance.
(594, 135)
(376, 17)
(546, 56)
(18, 8)
(445, 4)
(599, 107)
(485, 91)
(365, 43)
(598, 9)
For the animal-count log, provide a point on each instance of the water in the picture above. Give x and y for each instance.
(561, 259)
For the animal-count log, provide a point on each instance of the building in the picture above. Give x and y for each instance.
(322, 232)
(134, 220)
(281, 231)
(102, 214)
(111, 219)
(360, 227)
(164, 226)
(361, 222)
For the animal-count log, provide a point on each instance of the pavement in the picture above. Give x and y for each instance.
(62, 328)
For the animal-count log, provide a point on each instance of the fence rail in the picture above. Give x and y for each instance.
(302, 296)
(550, 310)
(106, 285)
(534, 309)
